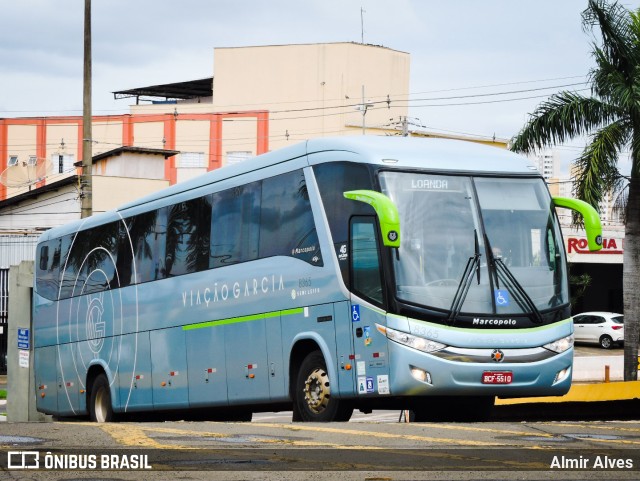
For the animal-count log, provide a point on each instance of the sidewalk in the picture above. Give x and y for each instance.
(589, 383)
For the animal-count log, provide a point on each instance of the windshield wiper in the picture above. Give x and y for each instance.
(473, 264)
(502, 273)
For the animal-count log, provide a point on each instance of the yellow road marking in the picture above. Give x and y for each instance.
(134, 436)
(605, 428)
(487, 430)
(128, 435)
(410, 437)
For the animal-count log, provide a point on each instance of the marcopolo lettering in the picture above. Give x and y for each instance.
(494, 322)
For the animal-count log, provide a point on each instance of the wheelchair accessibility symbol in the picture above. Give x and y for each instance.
(502, 297)
(355, 313)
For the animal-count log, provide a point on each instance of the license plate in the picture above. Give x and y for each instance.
(497, 377)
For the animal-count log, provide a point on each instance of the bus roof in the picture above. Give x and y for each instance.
(395, 152)
(427, 153)
(412, 152)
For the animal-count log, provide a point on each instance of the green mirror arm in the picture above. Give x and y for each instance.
(386, 211)
(591, 219)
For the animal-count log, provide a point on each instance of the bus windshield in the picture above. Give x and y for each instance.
(504, 228)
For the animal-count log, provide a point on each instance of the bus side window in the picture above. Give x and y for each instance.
(235, 225)
(48, 269)
(148, 235)
(188, 232)
(335, 178)
(90, 267)
(124, 259)
(366, 277)
(287, 226)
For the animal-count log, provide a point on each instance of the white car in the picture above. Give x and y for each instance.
(604, 328)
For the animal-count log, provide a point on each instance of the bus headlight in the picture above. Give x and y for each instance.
(560, 345)
(409, 340)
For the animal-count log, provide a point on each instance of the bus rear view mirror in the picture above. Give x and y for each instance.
(386, 211)
(592, 224)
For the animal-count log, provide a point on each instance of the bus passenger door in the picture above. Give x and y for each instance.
(370, 346)
(344, 348)
(169, 368)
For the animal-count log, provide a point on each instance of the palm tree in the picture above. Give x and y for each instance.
(611, 119)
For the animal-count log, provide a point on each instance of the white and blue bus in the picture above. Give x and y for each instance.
(333, 275)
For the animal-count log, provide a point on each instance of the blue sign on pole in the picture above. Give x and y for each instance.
(23, 339)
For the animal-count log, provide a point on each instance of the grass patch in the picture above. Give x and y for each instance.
(3, 394)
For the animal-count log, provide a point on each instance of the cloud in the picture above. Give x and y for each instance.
(453, 45)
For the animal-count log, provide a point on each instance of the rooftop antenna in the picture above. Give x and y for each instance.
(362, 12)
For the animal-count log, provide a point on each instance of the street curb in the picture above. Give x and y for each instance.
(595, 392)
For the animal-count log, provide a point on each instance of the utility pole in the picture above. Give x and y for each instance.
(86, 184)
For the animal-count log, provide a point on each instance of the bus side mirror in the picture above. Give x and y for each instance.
(591, 219)
(386, 211)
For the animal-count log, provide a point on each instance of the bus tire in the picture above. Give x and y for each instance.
(312, 397)
(100, 408)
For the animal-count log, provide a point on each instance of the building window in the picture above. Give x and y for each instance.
(33, 160)
(192, 160)
(62, 163)
(238, 156)
(13, 160)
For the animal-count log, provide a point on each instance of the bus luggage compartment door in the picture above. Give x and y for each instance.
(207, 367)
(134, 373)
(46, 379)
(169, 368)
(247, 366)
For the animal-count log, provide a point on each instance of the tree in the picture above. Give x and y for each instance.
(610, 117)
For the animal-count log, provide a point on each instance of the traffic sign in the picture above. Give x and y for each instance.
(23, 339)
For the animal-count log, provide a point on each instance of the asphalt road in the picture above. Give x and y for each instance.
(345, 451)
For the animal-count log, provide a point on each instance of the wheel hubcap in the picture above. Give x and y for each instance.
(101, 405)
(317, 391)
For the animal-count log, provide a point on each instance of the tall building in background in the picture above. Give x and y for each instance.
(548, 163)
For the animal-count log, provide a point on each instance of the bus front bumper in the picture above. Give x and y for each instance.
(479, 373)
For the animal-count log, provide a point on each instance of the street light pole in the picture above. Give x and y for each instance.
(86, 184)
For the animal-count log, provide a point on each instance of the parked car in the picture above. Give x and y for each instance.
(603, 328)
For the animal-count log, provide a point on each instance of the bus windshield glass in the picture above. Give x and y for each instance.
(494, 239)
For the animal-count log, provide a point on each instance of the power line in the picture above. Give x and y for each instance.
(126, 110)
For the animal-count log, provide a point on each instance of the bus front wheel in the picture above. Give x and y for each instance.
(100, 408)
(313, 399)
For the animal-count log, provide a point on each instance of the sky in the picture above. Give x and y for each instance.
(477, 67)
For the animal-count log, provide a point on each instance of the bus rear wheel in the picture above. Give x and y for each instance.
(100, 408)
(312, 397)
